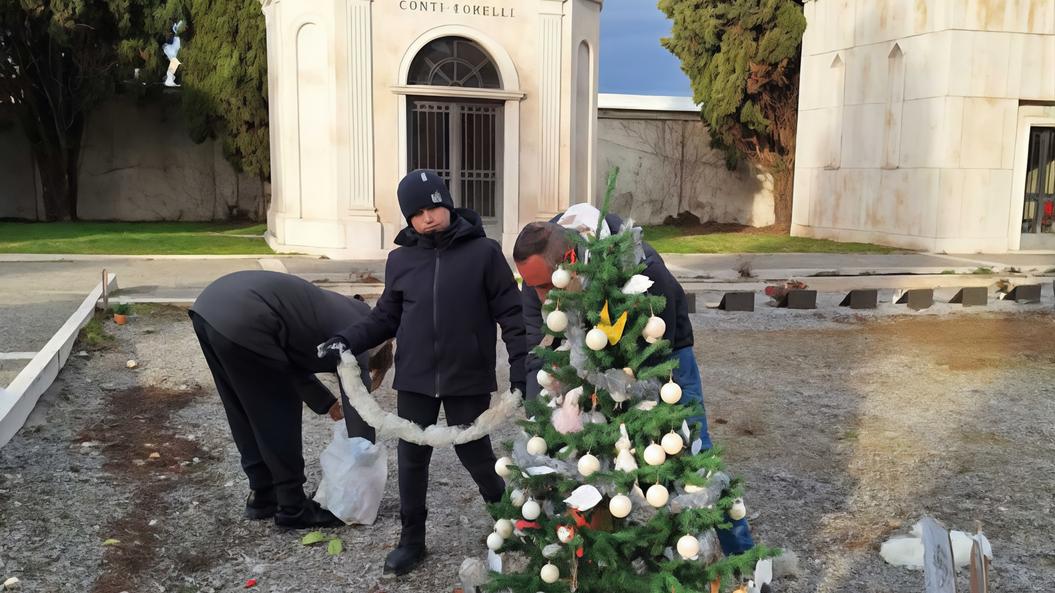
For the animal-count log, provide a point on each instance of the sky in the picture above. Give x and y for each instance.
(632, 61)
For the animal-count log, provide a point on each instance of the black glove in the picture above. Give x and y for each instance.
(521, 386)
(332, 348)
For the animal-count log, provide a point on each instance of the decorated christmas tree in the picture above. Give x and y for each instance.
(609, 489)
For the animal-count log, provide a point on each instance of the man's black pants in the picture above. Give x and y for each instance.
(476, 456)
(264, 412)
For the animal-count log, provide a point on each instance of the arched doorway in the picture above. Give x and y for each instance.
(460, 137)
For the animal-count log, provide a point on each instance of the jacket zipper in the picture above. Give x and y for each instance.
(435, 320)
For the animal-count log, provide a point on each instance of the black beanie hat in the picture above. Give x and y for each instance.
(422, 189)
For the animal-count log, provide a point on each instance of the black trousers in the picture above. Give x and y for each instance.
(263, 410)
(477, 456)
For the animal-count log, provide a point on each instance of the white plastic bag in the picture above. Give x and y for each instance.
(354, 473)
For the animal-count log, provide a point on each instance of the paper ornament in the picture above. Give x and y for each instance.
(568, 419)
(583, 498)
(613, 331)
(624, 454)
(637, 284)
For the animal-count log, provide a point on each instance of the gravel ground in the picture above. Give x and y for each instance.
(847, 429)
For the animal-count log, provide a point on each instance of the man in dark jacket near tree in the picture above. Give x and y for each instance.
(259, 332)
(446, 286)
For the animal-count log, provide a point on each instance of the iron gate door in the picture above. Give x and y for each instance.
(460, 141)
(1039, 208)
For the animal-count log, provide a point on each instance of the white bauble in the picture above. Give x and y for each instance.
(549, 573)
(560, 278)
(557, 321)
(596, 339)
(655, 455)
(738, 510)
(657, 495)
(502, 466)
(672, 443)
(688, 546)
(517, 497)
(588, 465)
(629, 372)
(655, 328)
(495, 541)
(504, 527)
(620, 506)
(531, 510)
(670, 392)
(536, 446)
(544, 379)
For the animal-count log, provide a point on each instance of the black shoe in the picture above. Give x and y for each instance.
(308, 515)
(260, 504)
(404, 559)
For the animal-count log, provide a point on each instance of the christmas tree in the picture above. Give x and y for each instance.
(608, 488)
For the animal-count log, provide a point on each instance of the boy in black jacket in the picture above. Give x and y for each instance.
(446, 286)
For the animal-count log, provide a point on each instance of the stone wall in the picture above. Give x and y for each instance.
(18, 182)
(666, 167)
(137, 164)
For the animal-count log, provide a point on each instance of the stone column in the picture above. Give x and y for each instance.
(360, 112)
(550, 44)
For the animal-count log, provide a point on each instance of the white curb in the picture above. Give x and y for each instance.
(18, 400)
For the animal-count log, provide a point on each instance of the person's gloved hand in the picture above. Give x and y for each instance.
(332, 348)
(521, 386)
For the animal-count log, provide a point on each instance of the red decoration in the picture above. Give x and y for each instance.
(569, 256)
(250, 583)
(522, 524)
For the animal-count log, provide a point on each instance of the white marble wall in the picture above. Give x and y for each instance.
(666, 167)
(910, 124)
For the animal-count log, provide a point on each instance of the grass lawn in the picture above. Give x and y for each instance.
(134, 238)
(674, 239)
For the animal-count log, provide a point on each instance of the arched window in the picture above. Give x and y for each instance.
(454, 61)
